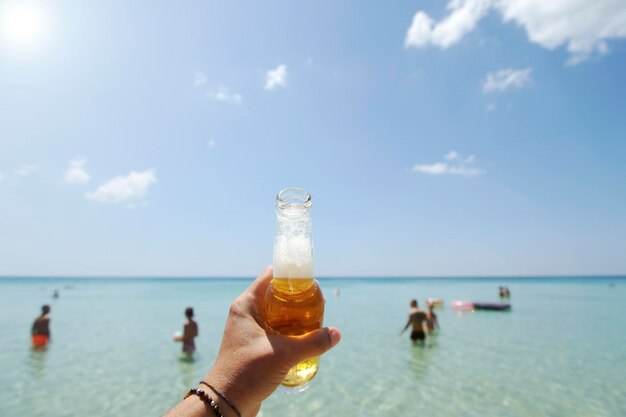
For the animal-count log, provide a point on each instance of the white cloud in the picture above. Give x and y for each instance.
(452, 155)
(1, 176)
(463, 17)
(507, 78)
(441, 168)
(224, 94)
(583, 26)
(211, 144)
(456, 165)
(199, 78)
(76, 173)
(124, 189)
(276, 77)
(25, 170)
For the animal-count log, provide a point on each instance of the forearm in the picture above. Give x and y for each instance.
(191, 406)
(194, 406)
(408, 323)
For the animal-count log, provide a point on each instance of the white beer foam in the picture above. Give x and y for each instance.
(293, 257)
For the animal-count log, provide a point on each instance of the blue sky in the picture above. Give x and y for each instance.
(476, 137)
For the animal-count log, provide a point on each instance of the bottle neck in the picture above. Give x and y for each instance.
(293, 246)
(293, 249)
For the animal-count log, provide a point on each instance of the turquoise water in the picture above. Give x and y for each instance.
(561, 351)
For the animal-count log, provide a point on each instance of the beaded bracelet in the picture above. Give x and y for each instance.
(219, 394)
(206, 399)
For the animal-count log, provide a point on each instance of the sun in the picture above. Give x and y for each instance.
(22, 24)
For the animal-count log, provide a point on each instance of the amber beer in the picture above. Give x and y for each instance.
(294, 302)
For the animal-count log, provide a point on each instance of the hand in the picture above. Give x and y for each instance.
(252, 363)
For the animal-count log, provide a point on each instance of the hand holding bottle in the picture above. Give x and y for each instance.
(252, 363)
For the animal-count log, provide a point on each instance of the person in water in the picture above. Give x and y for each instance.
(504, 292)
(190, 331)
(41, 328)
(251, 362)
(431, 319)
(417, 320)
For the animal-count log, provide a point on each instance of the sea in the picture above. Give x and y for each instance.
(559, 351)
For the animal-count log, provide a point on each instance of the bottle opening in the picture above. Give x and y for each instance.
(293, 201)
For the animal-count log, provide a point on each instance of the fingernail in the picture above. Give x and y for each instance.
(335, 336)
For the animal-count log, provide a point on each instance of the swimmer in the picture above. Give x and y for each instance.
(190, 331)
(417, 319)
(431, 319)
(41, 329)
(504, 292)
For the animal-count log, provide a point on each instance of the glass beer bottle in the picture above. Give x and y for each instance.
(294, 303)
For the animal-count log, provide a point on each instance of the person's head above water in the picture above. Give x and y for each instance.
(189, 312)
(413, 303)
(45, 309)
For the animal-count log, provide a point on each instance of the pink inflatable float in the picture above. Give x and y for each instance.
(462, 305)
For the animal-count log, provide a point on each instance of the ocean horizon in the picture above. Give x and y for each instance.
(324, 278)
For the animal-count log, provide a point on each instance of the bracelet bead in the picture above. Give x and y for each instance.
(223, 397)
(206, 398)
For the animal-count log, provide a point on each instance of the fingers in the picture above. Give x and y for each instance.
(260, 284)
(314, 343)
(250, 302)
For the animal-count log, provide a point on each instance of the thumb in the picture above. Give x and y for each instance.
(314, 343)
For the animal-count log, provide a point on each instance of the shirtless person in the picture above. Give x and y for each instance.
(431, 319)
(190, 331)
(417, 319)
(41, 329)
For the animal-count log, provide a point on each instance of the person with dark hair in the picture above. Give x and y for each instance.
(251, 362)
(41, 329)
(190, 331)
(418, 321)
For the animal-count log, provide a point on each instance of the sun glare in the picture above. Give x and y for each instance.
(22, 24)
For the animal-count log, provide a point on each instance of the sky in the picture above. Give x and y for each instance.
(437, 138)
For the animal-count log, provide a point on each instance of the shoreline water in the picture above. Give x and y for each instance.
(558, 352)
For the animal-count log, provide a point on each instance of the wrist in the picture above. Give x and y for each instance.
(230, 393)
(192, 406)
(221, 405)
